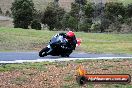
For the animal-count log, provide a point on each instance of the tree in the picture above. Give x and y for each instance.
(129, 10)
(84, 27)
(113, 9)
(22, 12)
(53, 16)
(37, 15)
(74, 10)
(82, 2)
(36, 25)
(64, 21)
(72, 23)
(89, 9)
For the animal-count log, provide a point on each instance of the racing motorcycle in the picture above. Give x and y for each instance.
(57, 46)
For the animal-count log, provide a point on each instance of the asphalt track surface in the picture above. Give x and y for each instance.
(20, 57)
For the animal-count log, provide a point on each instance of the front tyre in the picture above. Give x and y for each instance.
(43, 52)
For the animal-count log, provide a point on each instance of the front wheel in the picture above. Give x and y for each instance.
(43, 52)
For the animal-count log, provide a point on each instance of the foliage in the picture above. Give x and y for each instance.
(95, 27)
(89, 9)
(64, 21)
(83, 16)
(36, 25)
(22, 11)
(37, 15)
(104, 24)
(74, 10)
(82, 2)
(129, 10)
(113, 9)
(59, 17)
(72, 23)
(52, 16)
(115, 26)
(84, 27)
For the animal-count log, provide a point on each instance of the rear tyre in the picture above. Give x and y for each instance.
(43, 52)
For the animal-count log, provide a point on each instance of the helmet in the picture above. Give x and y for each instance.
(70, 34)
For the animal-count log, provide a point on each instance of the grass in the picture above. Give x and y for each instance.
(27, 40)
(11, 67)
(31, 75)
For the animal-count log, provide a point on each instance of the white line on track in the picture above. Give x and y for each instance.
(63, 59)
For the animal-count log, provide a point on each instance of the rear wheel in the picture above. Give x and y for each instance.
(43, 52)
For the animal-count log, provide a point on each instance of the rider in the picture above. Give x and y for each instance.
(70, 36)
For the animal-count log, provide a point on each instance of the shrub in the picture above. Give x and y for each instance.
(89, 9)
(84, 27)
(113, 9)
(36, 25)
(72, 23)
(22, 12)
(115, 27)
(129, 10)
(53, 16)
(95, 27)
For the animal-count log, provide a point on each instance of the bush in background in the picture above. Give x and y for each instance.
(84, 27)
(36, 25)
(113, 9)
(95, 27)
(129, 10)
(22, 12)
(53, 16)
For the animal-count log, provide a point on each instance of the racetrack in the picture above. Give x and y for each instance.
(20, 57)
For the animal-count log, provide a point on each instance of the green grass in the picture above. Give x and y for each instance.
(37, 66)
(27, 40)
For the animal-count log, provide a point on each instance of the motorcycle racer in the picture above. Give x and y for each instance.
(61, 44)
(71, 38)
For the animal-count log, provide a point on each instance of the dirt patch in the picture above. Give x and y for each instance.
(63, 74)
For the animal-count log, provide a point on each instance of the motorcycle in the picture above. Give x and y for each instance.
(56, 47)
